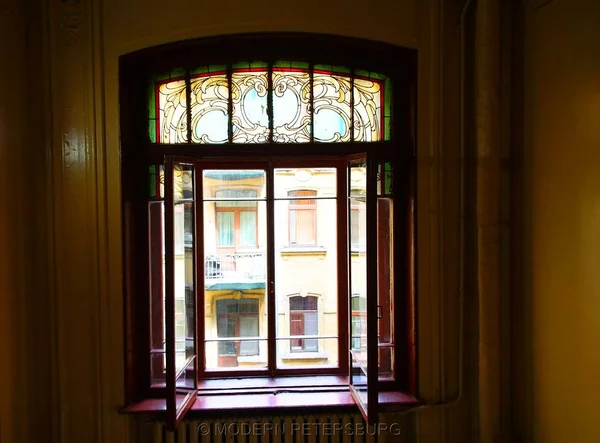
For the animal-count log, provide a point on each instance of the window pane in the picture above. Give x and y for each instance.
(249, 328)
(248, 228)
(172, 116)
(157, 292)
(228, 184)
(225, 228)
(291, 105)
(184, 285)
(385, 287)
(237, 319)
(358, 282)
(235, 269)
(331, 104)
(316, 353)
(367, 110)
(306, 278)
(250, 117)
(209, 108)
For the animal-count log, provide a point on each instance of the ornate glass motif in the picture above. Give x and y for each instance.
(367, 110)
(332, 96)
(250, 118)
(172, 116)
(291, 104)
(329, 104)
(210, 109)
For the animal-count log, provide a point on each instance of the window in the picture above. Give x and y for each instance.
(267, 211)
(236, 318)
(304, 322)
(303, 219)
(236, 219)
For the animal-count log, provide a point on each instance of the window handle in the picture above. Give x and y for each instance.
(379, 312)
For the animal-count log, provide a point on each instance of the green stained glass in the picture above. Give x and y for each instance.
(387, 105)
(152, 181)
(389, 175)
(152, 112)
(209, 108)
(152, 130)
(250, 117)
(367, 110)
(243, 66)
(291, 105)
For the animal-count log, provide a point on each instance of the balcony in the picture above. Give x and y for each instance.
(235, 271)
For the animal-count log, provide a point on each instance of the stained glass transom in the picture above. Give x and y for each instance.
(283, 102)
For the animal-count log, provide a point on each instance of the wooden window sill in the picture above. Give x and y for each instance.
(279, 394)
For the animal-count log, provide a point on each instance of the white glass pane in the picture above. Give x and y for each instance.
(225, 228)
(248, 228)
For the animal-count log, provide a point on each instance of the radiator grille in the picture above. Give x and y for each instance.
(322, 428)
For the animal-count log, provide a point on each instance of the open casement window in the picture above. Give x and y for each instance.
(371, 283)
(274, 243)
(179, 299)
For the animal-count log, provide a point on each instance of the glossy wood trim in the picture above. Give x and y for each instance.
(372, 286)
(171, 395)
(343, 269)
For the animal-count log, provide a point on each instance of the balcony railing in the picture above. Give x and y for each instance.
(240, 267)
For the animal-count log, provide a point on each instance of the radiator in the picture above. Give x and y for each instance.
(322, 428)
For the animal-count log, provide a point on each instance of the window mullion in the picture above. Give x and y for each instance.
(270, 101)
(188, 105)
(271, 314)
(352, 105)
(311, 69)
(229, 105)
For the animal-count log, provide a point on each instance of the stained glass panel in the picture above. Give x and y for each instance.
(172, 117)
(331, 103)
(301, 109)
(387, 106)
(250, 117)
(156, 181)
(291, 104)
(209, 106)
(367, 110)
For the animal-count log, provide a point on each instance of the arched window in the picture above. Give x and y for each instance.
(279, 162)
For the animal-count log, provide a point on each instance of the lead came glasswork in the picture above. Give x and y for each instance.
(291, 105)
(210, 108)
(250, 119)
(172, 115)
(330, 104)
(367, 110)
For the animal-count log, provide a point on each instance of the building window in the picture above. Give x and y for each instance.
(229, 167)
(304, 322)
(236, 318)
(303, 217)
(236, 219)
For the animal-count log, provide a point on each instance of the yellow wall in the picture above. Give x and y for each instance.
(61, 332)
(561, 370)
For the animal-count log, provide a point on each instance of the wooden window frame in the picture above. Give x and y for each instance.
(137, 153)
